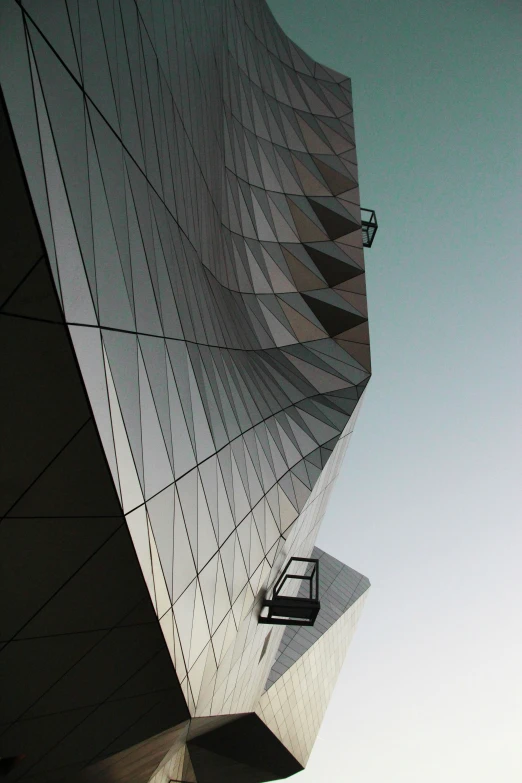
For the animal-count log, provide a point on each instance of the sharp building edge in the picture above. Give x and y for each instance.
(185, 348)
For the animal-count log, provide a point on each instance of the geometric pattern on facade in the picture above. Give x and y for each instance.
(84, 668)
(194, 177)
(339, 587)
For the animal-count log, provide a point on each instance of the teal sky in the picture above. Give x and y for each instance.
(428, 504)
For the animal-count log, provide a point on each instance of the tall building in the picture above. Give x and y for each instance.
(184, 350)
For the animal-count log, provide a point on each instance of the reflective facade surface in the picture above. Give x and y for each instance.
(294, 706)
(309, 660)
(184, 314)
(339, 587)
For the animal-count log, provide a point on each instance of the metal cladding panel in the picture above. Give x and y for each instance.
(85, 671)
(339, 587)
(294, 707)
(194, 177)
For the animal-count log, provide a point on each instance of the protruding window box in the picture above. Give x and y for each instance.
(294, 610)
(369, 226)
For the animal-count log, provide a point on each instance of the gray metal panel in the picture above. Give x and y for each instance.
(339, 587)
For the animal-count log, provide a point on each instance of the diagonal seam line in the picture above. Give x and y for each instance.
(22, 281)
(13, 638)
(258, 351)
(52, 636)
(97, 707)
(26, 490)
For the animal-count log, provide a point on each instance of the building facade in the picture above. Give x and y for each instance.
(185, 341)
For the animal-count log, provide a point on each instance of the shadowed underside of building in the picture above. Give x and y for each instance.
(184, 340)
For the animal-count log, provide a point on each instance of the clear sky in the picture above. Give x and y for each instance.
(429, 501)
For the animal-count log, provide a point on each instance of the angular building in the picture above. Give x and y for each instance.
(184, 346)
